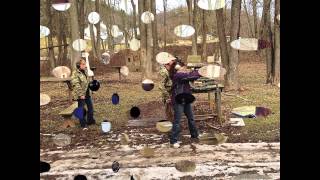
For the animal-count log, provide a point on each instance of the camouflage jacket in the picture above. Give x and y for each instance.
(165, 83)
(80, 84)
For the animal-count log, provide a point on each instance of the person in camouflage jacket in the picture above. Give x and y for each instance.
(81, 91)
(165, 88)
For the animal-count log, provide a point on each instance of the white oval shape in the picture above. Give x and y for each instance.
(87, 34)
(61, 6)
(147, 17)
(134, 44)
(164, 126)
(105, 58)
(94, 17)
(61, 72)
(278, 17)
(211, 4)
(105, 126)
(115, 31)
(44, 99)
(44, 31)
(62, 139)
(124, 70)
(245, 44)
(184, 30)
(79, 45)
(210, 71)
(164, 57)
(147, 81)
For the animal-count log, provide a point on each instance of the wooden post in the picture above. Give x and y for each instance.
(210, 100)
(218, 103)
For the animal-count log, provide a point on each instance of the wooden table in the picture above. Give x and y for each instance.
(212, 89)
(65, 80)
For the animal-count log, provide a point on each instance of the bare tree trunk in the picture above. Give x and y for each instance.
(165, 23)
(248, 17)
(276, 64)
(75, 55)
(52, 60)
(255, 20)
(232, 81)
(266, 34)
(81, 18)
(109, 26)
(204, 36)
(194, 23)
(222, 38)
(189, 4)
(65, 61)
(59, 38)
(134, 19)
(154, 36)
(98, 40)
(150, 47)
(143, 40)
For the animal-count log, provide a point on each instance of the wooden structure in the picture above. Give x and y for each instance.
(64, 80)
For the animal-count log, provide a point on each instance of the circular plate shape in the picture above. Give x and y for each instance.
(44, 99)
(134, 44)
(115, 31)
(115, 98)
(115, 166)
(124, 70)
(44, 31)
(164, 126)
(164, 57)
(211, 4)
(184, 30)
(93, 17)
(147, 17)
(44, 167)
(61, 5)
(80, 177)
(147, 84)
(62, 139)
(210, 71)
(79, 45)
(61, 72)
(245, 44)
(135, 112)
(105, 58)
(103, 35)
(94, 85)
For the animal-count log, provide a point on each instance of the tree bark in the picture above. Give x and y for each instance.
(143, 39)
(98, 40)
(155, 46)
(222, 38)
(266, 34)
(52, 61)
(255, 20)
(194, 23)
(189, 4)
(81, 18)
(75, 55)
(204, 37)
(232, 81)
(165, 23)
(150, 47)
(134, 19)
(276, 65)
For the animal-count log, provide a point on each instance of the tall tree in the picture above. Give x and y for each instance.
(204, 36)
(165, 23)
(143, 39)
(98, 39)
(52, 60)
(232, 81)
(134, 16)
(248, 18)
(75, 55)
(194, 23)
(255, 20)
(276, 64)
(155, 45)
(81, 17)
(150, 47)
(266, 34)
(222, 38)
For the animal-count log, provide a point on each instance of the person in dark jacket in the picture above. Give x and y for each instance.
(181, 87)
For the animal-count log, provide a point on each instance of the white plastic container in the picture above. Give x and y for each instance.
(106, 126)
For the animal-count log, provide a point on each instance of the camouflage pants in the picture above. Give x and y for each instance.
(168, 111)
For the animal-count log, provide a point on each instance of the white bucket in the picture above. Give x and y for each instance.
(105, 126)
